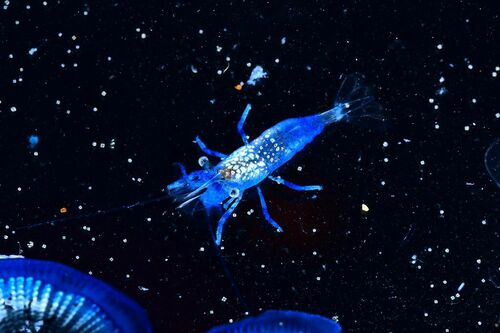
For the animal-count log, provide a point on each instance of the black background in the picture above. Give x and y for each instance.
(155, 105)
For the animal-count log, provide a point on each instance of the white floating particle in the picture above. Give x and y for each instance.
(441, 79)
(422, 162)
(441, 212)
(478, 261)
(445, 282)
(103, 93)
(283, 41)
(13, 109)
(470, 66)
(194, 69)
(466, 127)
(474, 100)
(364, 208)
(436, 126)
(218, 48)
(461, 286)
(32, 50)
(439, 46)
(386, 160)
(497, 115)
(497, 68)
(277, 60)
(129, 160)
(447, 250)
(200, 31)
(431, 100)
(385, 144)
(143, 35)
(494, 74)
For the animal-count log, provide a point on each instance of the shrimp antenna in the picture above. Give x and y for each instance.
(204, 186)
(227, 272)
(97, 213)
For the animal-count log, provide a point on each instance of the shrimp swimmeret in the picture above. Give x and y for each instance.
(224, 184)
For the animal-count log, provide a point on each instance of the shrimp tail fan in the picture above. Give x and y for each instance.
(356, 104)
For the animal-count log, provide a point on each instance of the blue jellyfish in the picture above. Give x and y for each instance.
(42, 296)
(492, 161)
(276, 321)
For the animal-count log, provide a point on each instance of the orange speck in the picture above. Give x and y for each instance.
(238, 87)
(63, 210)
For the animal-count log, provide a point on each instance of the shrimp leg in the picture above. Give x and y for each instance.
(227, 213)
(268, 217)
(242, 121)
(295, 187)
(209, 151)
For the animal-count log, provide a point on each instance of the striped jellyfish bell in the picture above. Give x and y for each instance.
(41, 296)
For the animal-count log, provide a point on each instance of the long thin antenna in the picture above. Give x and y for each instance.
(227, 272)
(96, 213)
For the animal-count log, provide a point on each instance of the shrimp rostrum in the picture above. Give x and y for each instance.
(223, 185)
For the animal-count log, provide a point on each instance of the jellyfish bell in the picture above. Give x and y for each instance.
(283, 321)
(42, 296)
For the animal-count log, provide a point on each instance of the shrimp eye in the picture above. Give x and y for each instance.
(203, 161)
(234, 193)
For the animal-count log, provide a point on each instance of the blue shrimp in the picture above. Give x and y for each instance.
(224, 184)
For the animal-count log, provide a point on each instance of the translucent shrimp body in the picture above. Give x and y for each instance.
(224, 184)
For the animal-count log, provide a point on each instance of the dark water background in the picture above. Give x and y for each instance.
(155, 105)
